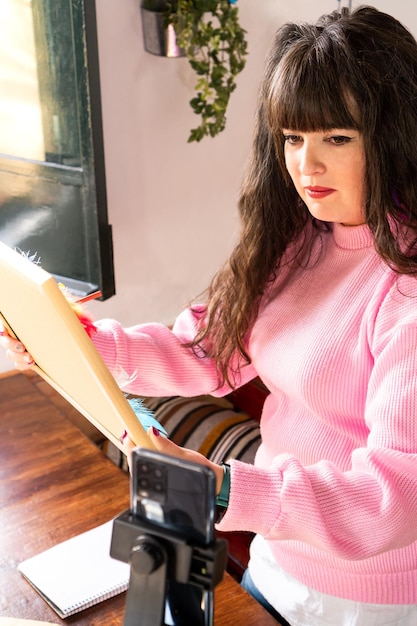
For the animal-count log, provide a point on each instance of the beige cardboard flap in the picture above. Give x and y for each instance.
(34, 309)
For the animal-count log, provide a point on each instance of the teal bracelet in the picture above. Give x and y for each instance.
(222, 499)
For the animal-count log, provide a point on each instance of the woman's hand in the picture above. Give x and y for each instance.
(15, 351)
(164, 445)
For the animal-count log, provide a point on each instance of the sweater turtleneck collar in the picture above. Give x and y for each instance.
(352, 237)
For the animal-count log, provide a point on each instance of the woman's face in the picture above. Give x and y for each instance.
(328, 171)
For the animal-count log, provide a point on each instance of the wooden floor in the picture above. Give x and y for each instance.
(47, 394)
(50, 397)
(27, 388)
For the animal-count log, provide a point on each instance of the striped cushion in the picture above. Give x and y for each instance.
(209, 425)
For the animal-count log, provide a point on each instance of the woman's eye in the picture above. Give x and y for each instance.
(292, 139)
(339, 140)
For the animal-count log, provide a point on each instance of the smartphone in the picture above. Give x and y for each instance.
(179, 497)
(173, 494)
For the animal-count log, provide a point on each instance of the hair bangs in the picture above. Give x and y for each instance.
(308, 92)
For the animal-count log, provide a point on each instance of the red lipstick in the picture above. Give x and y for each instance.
(317, 192)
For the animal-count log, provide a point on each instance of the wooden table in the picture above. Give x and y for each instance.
(55, 483)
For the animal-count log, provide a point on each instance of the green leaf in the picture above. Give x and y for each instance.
(216, 48)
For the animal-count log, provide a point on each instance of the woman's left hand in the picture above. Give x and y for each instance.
(15, 351)
(164, 445)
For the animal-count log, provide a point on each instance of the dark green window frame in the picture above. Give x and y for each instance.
(57, 208)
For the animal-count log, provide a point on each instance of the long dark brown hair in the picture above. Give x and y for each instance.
(353, 69)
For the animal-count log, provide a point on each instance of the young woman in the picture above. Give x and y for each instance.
(319, 299)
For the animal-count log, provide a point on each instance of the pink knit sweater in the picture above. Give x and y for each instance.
(334, 486)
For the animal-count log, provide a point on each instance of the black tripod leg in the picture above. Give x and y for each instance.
(145, 600)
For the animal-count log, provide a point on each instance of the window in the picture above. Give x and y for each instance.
(52, 176)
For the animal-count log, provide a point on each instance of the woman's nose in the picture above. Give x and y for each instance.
(310, 160)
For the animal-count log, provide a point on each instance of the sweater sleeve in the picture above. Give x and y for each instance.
(151, 360)
(369, 508)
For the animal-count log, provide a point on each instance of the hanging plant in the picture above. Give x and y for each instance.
(209, 34)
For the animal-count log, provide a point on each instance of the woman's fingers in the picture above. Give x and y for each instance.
(166, 446)
(15, 351)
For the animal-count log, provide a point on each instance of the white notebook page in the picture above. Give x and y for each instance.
(79, 572)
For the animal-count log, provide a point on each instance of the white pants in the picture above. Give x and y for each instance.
(302, 606)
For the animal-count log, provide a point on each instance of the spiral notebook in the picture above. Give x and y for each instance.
(77, 573)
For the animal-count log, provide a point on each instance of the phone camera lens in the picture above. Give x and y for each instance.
(143, 483)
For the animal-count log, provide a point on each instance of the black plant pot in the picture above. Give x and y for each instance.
(158, 38)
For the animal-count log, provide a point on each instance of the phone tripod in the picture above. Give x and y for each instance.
(171, 581)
